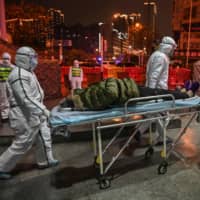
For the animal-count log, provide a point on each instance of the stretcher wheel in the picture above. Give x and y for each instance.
(104, 183)
(162, 168)
(149, 153)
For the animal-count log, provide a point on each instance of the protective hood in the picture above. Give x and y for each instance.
(6, 59)
(26, 58)
(167, 46)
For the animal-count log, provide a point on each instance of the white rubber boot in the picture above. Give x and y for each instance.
(52, 162)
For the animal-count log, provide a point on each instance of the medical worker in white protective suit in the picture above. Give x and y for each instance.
(5, 69)
(157, 74)
(158, 64)
(28, 115)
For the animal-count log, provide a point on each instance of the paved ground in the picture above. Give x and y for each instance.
(134, 177)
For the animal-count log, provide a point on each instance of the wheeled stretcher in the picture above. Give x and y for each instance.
(152, 109)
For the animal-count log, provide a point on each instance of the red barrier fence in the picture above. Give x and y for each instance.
(177, 76)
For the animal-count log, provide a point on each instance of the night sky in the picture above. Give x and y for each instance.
(90, 11)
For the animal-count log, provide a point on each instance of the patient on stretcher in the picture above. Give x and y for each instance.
(112, 92)
(189, 86)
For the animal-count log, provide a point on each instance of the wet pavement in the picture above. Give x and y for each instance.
(133, 177)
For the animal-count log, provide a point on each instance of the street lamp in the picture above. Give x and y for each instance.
(101, 45)
(116, 15)
(152, 3)
(60, 45)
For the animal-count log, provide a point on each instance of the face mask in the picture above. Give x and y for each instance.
(171, 53)
(6, 62)
(76, 64)
(33, 63)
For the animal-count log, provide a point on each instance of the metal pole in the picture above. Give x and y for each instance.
(189, 31)
(102, 52)
(99, 42)
(52, 48)
(60, 52)
(121, 46)
(149, 25)
(101, 45)
(154, 19)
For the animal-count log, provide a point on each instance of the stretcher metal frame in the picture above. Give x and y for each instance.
(162, 116)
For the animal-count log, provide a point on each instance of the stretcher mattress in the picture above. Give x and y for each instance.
(63, 116)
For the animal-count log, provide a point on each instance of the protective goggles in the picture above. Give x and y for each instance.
(29, 55)
(5, 58)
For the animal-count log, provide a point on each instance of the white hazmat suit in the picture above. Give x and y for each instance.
(158, 64)
(157, 73)
(28, 115)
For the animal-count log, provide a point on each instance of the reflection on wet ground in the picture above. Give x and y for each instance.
(75, 176)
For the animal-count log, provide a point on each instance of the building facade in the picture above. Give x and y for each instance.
(127, 35)
(56, 19)
(186, 28)
(27, 28)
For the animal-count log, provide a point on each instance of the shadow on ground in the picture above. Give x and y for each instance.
(68, 176)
